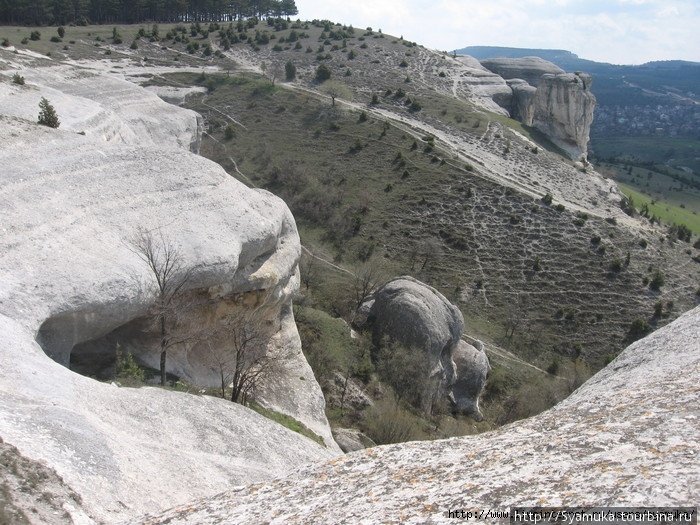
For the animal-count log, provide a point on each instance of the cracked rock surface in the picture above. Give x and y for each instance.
(69, 200)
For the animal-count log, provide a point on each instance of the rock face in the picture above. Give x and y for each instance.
(630, 436)
(351, 439)
(418, 316)
(489, 88)
(557, 103)
(68, 280)
(563, 111)
(529, 69)
(472, 368)
(344, 392)
(522, 104)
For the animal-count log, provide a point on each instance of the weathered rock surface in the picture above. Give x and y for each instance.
(630, 436)
(522, 104)
(67, 277)
(557, 103)
(418, 316)
(529, 69)
(345, 392)
(472, 367)
(351, 439)
(563, 111)
(477, 82)
(33, 493)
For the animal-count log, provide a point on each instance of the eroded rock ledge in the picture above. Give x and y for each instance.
(557, 103)
(70, 197)
(629, 436)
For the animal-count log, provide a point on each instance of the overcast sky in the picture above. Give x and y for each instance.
(616, 31)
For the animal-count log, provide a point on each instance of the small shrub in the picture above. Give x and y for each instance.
(18, 79)
(5, 42)
(61, 31)
(55, 39)
(35, 35)
(47, 114)
(323, 73)
(363, 117)
(403, 64)
(25, 41)
(616, 266)
(290, 70)
(638, 329)
(387, 422)
(657, 280)
(127, 369)
(547, 199)
(134, 45)
(229, 132)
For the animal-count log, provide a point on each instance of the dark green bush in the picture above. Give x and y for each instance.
(47, 114)
(323, 73)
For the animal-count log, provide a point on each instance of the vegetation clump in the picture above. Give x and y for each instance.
(47, 114)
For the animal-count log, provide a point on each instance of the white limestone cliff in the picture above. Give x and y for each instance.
(559, 104)
(67, 277)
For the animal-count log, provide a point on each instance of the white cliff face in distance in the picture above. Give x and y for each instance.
(544, 96)
(69, 200)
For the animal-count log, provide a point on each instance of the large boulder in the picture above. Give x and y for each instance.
(71, 198)
(630, 436)
(352, 440)
(419, 317)
(472, 368)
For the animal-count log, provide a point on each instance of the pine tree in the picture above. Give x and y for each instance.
(47, 114)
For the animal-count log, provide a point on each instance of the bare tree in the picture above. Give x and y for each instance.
(335, 89)
(366, 279)
(429, 250)
(242, 358)
(166, 266)
(275, 72)
(308, 269)
(513, 320)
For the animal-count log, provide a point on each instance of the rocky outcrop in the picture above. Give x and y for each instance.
(419, 317)
(557, 103)
(475, 81)
(522, 105)
(71, 197)
(346, 393)
(472, 368)
(529, 69)
(563, 111)
(351, 439)
(629, 436)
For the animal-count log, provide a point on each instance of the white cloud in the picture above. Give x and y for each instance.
(620, 31)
